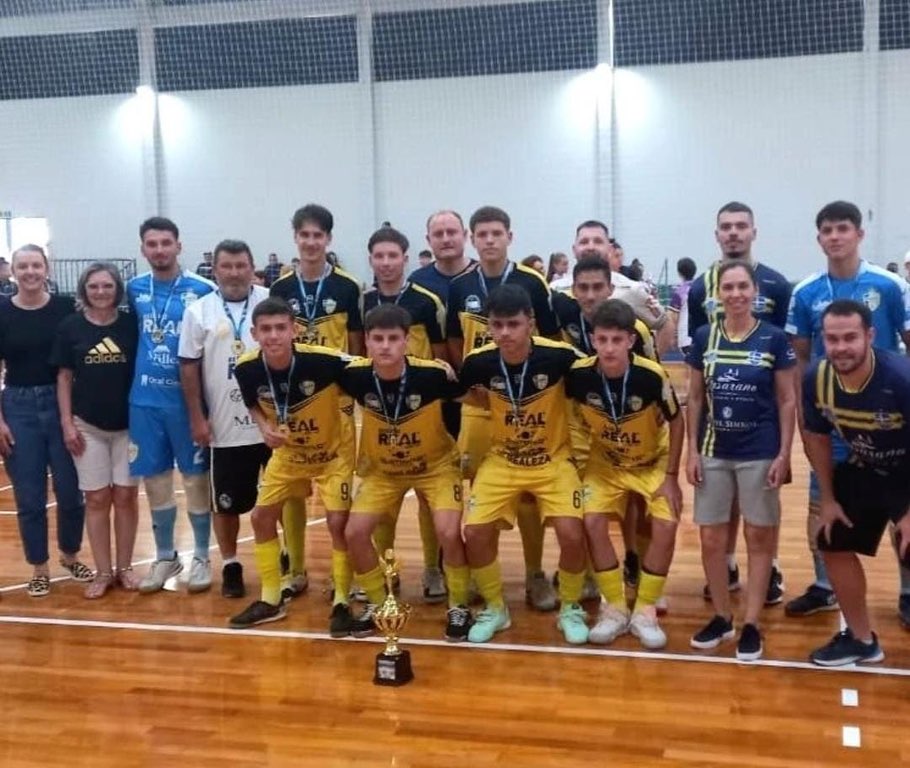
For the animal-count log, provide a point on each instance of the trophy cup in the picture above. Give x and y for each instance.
(393, 665)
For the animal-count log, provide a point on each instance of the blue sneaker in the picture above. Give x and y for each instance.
(845, 649)
(487, 623)
(573, 623)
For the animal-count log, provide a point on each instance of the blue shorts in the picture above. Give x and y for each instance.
(840, 450)
(158, 438)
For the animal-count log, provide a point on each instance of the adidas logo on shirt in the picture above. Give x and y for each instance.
(105, 351)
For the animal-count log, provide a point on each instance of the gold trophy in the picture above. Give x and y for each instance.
(393, 665)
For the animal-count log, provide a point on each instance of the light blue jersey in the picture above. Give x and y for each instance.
(158, 306)
(885, 294)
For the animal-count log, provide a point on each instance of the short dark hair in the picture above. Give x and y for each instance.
(839, 210)
(614, 314)
(313, 213)
(735, 207)
(847, 307)
(686, 268)
(92, 269)
(592, 223)
(529, 260)
(160, 223)
(388, 235)
(425, 254)
(387, 317)
(591, 263)
(489, 213)
(509, 300)
(234, 247)
(729, 264)
(271, 307)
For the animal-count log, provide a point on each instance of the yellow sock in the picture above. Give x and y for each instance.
(384, 533)
(611, 587)
(457, 580)
(373, 583)
(531, 528)
(268, 563)
(293, 521)
(427, 535)
(570, 586)
(489, 584)
(650, 588)
(341, 575)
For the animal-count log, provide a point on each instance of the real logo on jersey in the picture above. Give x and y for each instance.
(636, 403)
(329, 305)
(540, 380)
(414, 402)
(473, 303)
(872, 299)
(307, 388)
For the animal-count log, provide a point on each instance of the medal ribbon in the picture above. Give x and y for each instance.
(156, 318)
(516, 402)
(399, 399)
(309, 311)
(483, 280)
(608, 394)
(281, 411)
(238, 327)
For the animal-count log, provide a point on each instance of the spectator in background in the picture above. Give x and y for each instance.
(425, 258)
(332, 258)
(907, 266)
(892, 267)
(259, 277)
(558, 267)
(679, 298)
(7, 286)
(534, 262)
(205, 266)
(272, 269)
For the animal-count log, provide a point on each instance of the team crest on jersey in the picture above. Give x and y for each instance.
(225, 501)
(498, 383)
(307, 387)
(371, 400)
(414, 402)
(574, 331)
(264, 392)
(727, 412)
(635, 403)
(872, 299)
(594, 400)
(885, 420)
(295, 305)
(540, 380)
(188, 297)
(329, 305)
(235, 396)
(710, 357)
(472, 303)
(755, 358)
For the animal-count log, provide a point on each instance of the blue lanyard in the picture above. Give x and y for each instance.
(238, 327)
(309, 310)
(608, 395)
(157, 319)
(281, 410)
(483, 280)
(516, 402)
(398, 400)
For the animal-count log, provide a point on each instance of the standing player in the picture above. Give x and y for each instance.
(529, 454)
(159, 423)
(292, 393)
(862, 395)
(626, 402)
(467, 330)
(847, 276)
(216, 332)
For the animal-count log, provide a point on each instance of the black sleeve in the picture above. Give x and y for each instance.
(544, 316)
(247, 383)
(695, 303)
(62, 352)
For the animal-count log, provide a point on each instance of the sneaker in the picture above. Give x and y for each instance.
(590, 591)
(733, 584)
(813, 600)
(38, 586)
(293, 585)
(358, 594)
(458, 623)
(903, 609)
(363, 625)
(487, 623)
(434, 586)
(631, 569)
(645, 627)
(284, 562)
(611, 623)
(340, 621)
(232, 581)
(540, 593)
(662, 606)
(775, 594)
(159, 572)
(79, 571)
(749, 647)
(200, 576)
(258, 612)
(713, 634)
(573, 622)
(845, 649)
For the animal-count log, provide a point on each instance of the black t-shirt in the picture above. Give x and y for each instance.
(101, 358)
(26, 339)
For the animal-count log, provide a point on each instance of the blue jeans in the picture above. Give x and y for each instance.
(34, 419)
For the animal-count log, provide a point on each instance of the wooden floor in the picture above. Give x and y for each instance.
(136, 681)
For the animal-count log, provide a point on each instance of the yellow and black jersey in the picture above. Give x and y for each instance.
(466, 317)
(326, 310)
(529, 418)
(627, 417)
(308, 399)
(403, 433)
(576, 331)
(427, 316)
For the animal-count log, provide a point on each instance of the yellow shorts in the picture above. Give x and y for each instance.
(607, 489)
(498, 485)
(285, 478)
(473, 439)
(580, 442)
(382, 494)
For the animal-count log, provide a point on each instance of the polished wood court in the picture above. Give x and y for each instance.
(133, 681)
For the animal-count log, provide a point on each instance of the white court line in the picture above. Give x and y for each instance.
(147, 561)
(851, 736)
(849, 697)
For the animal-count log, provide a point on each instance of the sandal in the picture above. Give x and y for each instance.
(39, 586)
(99, 585)
(79, 571)
(127, 579)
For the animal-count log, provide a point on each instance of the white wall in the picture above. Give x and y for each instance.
(895, 153)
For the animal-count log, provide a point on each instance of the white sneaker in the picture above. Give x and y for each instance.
(612, 623)
(645, 627)
(159, 572)
(200, 575)
(590, 591)
(539, 593)
(434, 586)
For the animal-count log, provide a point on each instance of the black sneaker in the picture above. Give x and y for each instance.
(813, 600)
(232, 581)
(775, 594)
(259, 612)
(903, 610)
(733, 584)
(285, 561)
(362, 625)
(340, 621)
(749, 647)
(845, 649)
(713, 634)
(458, 622)
(631, 569)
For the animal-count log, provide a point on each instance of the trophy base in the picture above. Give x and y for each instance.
(393, 670)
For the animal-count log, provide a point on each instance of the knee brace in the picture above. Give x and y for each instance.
(198, 496)
(160, 490)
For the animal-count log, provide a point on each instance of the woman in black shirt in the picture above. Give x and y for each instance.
(30, 437)
(95, 353)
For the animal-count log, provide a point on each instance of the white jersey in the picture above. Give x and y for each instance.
(207, 333)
